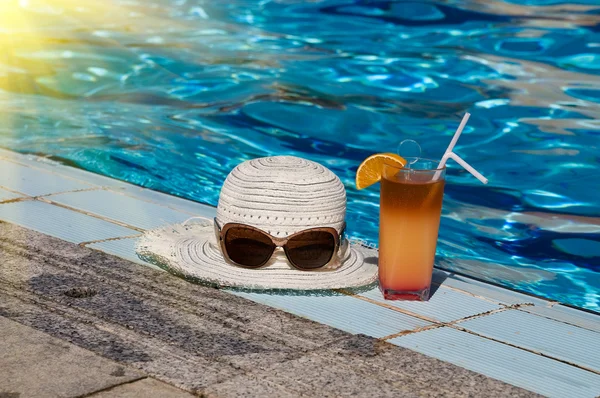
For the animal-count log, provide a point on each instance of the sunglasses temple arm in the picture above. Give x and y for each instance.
(217, 230)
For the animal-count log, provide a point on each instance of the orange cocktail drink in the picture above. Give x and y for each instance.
(409, 220)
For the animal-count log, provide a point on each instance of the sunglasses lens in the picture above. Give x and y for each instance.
(311, 249)
(248, 247)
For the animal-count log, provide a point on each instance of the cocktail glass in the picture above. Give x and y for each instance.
(409, 220)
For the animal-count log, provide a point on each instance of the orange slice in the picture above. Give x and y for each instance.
(370, 170)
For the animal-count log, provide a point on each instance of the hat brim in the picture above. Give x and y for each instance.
(191, 251)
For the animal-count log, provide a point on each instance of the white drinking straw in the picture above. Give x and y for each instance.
(457, 134)
(451, 155)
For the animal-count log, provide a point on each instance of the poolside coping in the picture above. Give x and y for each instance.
(139, 313)
(64, 307)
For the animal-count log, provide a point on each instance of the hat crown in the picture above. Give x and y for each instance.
(282, 195)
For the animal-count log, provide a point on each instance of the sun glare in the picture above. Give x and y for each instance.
(36, 37)
(28, 16)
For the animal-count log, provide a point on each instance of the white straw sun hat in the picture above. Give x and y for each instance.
(280, 195)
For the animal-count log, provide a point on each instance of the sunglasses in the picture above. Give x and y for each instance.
(250, 247)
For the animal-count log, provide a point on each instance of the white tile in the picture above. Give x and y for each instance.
(52, 166)
(496, 294)
(59, 222)
(568, 315)
(35, 182)
(340, 311)
(556, 339)
(500, 361)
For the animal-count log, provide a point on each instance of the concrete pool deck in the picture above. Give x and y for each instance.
(215, 342)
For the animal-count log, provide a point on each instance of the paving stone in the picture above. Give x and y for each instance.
(201, 339)
(249, 386)
(189, 335)
(143, 388)
(34, 364)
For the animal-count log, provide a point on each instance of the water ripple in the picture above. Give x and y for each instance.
(172, 95)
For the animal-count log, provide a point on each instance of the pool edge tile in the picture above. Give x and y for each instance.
(512, 365)
(490, 292)
(31, 181)
(57, 168)
(534, 333)
(568, 315)
(111, 184)
(60, 222)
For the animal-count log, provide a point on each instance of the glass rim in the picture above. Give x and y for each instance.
(405, 169)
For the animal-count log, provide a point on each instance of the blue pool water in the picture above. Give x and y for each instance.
(172, 94)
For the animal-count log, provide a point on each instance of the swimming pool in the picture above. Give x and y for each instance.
(171, 95)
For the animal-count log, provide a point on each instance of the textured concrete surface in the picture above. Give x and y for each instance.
(203, 340)
(34, 364)
(143, 388)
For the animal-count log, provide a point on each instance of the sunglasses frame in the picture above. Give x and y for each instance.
(221, 232)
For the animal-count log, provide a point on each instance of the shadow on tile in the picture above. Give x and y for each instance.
(437, 279)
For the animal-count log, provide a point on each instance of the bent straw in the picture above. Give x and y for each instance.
(467, 166)
(451, 155)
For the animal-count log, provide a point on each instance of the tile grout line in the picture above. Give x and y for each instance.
(441, 324)
(12, 191)
(16, 200)
(419, 329)
(120, 223)
(428, 319)
(96, 188)
(26, 197)
(91, 242)
(582, 367)
(492, 312)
